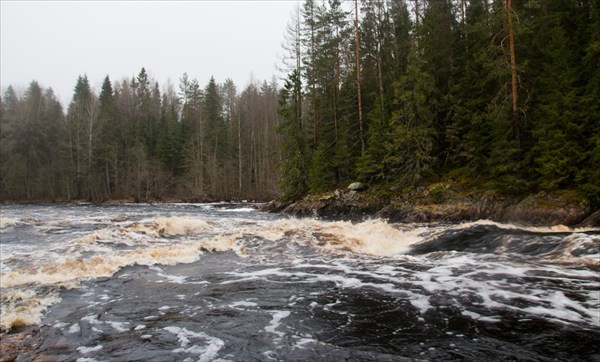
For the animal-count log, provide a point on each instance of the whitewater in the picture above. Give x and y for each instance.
(225, 282)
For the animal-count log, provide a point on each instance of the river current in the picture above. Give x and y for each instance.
(225, 282)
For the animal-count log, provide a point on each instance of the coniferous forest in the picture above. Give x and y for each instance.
(394, 93)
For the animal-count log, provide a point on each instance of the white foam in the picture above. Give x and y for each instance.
(241, 209)
(537, 229)
(180, 225)
(6, 222)
(373, 237)
(242, 304)
(278, 315)
(481, 318)
(207, 352)
(86, 350)
(74, 269)
(74, 328)
(91, 319)
(490, 288)
(24, 307)
(305, 343)
(118, 326)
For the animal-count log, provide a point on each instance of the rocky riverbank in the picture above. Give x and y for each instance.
(446, 202)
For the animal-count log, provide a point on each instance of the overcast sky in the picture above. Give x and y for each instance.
(55, 41)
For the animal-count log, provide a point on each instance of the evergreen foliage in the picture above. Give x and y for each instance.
(292, 168)
(438, 95)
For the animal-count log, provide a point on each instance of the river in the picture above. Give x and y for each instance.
(225, 282)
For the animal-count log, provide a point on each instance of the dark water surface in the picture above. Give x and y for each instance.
(223, 282)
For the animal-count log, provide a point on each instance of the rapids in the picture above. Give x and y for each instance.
(224, 282)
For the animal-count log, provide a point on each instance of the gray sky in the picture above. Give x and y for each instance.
(55, 41)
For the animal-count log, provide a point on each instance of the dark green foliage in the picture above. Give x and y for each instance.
(292, 168)
(170, 140)
(409, 155)
(213, 113)
(139, 142)
(32, 135)
(588, 176)
(321, 175)
(437, 95)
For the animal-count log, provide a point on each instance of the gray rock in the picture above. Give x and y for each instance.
(357, 186)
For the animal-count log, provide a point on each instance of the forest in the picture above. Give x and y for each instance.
(137, 141)
(393, 93)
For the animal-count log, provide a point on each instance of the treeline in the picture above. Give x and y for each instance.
(395, 93)
(506, 95)
(134, 140)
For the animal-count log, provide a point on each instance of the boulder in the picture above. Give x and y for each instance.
(357, 186)
(592, 220)
(543, 209)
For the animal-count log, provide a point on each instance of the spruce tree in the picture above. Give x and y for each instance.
(589, 132)
(110, 137)
(292, 167)
(556, 152)
(437, 39)
(409, 148)
(216, 133)
(472, 88)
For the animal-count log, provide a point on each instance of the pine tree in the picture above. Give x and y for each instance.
(506, 164)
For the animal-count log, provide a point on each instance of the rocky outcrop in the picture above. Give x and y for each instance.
(593, 220)
(339, 204)
(441, 203)
(547, 209)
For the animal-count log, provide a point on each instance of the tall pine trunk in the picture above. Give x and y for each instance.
(359, 96)
(513, 69)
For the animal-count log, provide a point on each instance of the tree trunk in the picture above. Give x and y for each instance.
(513, 69)
(239, 153)
(107, 174)
(357, 51)
(91, 115)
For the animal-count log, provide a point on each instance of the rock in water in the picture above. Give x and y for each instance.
(357, 186)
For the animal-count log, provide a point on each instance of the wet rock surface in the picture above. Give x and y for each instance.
(441, 204)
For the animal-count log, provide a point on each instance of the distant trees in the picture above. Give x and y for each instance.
(33, 136)
(136, 140)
